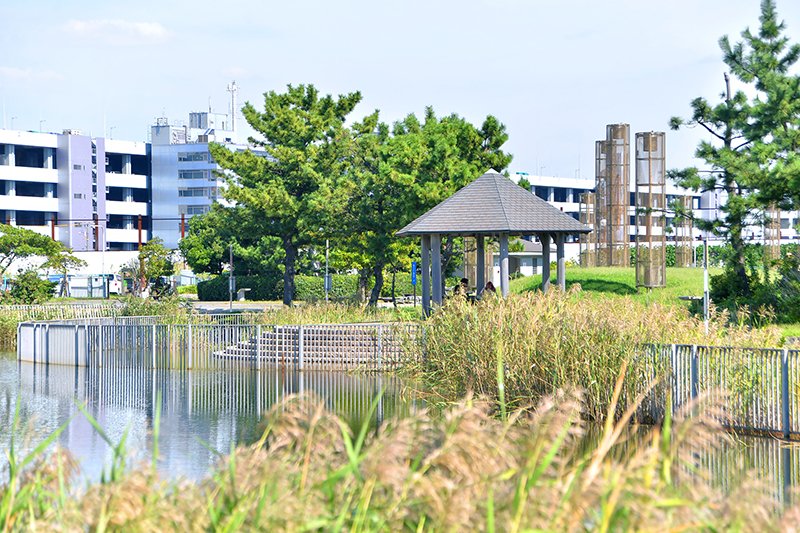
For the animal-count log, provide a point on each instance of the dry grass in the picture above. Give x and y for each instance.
(545, 342)
(465, 470)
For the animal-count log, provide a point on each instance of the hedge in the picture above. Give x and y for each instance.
(266, 287)
(307, 288)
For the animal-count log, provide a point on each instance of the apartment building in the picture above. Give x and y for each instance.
(564, 193)
(89, 193)
(185, 176)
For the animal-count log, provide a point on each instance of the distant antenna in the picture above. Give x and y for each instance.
(233, 89)
(209, 104)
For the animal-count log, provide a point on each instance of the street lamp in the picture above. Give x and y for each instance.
(41, 124)
(327, 276)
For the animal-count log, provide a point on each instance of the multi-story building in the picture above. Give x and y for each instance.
(565, 193)
(89, 193)
(185, 177)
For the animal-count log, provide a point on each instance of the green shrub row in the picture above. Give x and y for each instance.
(307, 288)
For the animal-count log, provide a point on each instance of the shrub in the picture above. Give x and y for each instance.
(266, 287)
(29, 288)
(187, 289)
(312, 288)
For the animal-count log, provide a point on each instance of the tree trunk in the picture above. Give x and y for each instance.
(363, 279)
(376, 289)
(288, 272)
(738, 246)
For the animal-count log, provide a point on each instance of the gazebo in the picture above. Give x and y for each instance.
(490, 206)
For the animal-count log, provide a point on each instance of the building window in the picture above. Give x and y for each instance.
(194, 175)
(192, 210)
(559, 194)
(198, 192)
(192, 156)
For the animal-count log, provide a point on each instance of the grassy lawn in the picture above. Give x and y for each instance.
(615, 281)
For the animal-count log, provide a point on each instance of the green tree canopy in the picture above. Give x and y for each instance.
(206, 246)
(18, 243)
(393, 175)
(750, 137)
(288, 189)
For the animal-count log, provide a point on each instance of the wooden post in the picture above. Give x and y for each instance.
(183, 225)
(426, 275)
(561, 270)
(504, 264)
(544, 238)
(436, 269)
(480, 267)
(140, 232)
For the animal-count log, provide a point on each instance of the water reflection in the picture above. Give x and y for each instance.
(200, 409)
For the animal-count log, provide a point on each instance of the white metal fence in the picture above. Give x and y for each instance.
(761, 386)
(144, 342)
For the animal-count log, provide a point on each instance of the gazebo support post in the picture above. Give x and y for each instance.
(480, 267)
(544, 238)
(436, 268)
(504, 264)
(426, 275)
(561, 269)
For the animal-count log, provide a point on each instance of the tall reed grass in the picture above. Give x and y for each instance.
(464, 471)
(551, 341)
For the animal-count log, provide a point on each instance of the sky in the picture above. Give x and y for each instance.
(554, 72)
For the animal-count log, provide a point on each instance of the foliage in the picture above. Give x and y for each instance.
(338, 313)
(187, 289)
(754, 140)
(287, 191)
(63, 262)
(170, 308)
(29, 288)
(18, 243)
(393, 175)
(149, 271)
(550, 341)
(463, 471)
(208, 243)
(265, 287)
(344, 287)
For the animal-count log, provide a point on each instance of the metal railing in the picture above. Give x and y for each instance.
(58, 311)
(146, 343)
(761, 386)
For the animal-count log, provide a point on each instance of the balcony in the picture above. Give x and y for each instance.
(28, 203)
(132, 181)
(126, 208)
(39, 175)
(125, 235)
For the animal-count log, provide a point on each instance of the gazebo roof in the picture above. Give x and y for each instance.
(493, 204)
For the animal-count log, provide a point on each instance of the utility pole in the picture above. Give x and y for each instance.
(327, 276)
(230, 278)
(233, 89)
(705, 282)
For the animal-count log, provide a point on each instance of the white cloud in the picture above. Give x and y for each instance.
(28, 74)
(117, 31)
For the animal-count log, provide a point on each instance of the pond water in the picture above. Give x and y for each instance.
(207, 412)
(202, 412)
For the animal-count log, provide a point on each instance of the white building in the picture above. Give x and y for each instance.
(86, 192)
(185, 179)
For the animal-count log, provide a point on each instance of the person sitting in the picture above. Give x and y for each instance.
(462, 289)
(489, 289)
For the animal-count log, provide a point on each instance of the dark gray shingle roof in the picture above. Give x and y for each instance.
(493, 204)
